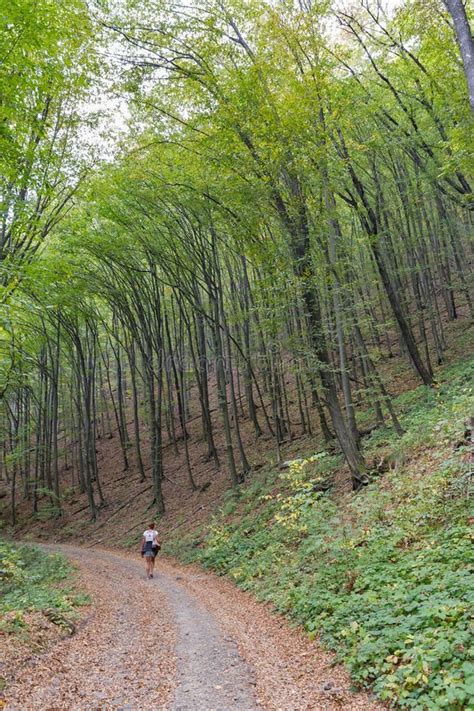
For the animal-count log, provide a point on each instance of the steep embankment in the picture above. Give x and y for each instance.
(384, 576)
(128, 499)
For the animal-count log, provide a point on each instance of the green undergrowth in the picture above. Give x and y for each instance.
(383, 577)
(32, 580)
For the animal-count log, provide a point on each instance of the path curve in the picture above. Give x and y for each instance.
(212, 648)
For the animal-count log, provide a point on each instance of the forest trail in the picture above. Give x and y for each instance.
(184, 641)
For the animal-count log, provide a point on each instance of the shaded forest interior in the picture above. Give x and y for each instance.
(267, 255)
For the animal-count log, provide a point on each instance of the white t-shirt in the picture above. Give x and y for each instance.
(150, 534)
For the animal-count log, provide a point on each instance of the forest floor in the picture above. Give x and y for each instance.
(184, 641)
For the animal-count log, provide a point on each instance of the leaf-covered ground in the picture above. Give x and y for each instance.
(102, 664)
(185, 640)
(40, 601)
(384, 577)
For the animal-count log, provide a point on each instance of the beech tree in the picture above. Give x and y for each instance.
(46, 64)
(466, 44)
(290, 210)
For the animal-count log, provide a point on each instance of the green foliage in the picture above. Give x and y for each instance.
(31, 579)
(48, 61)
(386, 579)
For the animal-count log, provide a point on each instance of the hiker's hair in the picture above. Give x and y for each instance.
(151, 525)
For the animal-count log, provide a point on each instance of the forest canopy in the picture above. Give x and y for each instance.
(289, 207)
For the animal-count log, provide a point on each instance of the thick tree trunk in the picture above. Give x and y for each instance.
(247, 368)
(301, 252)
(466, 44)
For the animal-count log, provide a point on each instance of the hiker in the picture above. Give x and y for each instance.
(149, 548)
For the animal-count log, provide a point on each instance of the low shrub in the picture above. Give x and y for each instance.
(31, 579)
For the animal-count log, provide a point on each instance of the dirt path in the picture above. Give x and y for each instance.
(106, 664)
(184, 641)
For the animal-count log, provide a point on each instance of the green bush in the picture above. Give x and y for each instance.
(31, 579)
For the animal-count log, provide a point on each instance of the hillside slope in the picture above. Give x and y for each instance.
(128, 503)
(384, 576)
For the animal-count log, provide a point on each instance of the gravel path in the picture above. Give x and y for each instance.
(184, 641)
(107, 664)
(291, 672)
(210, 674)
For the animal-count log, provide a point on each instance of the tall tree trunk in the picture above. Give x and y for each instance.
(466, 44)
